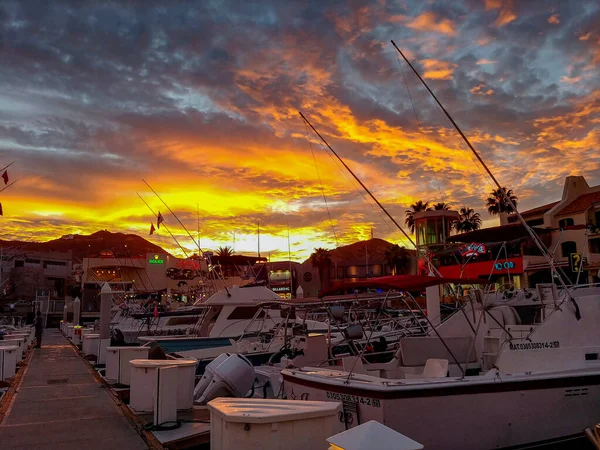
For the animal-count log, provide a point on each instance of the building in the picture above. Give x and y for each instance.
(26, 276)
(569, 228)
(162, 276)
(357, 261)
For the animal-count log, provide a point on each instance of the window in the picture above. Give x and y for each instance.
(597, 218)
(568, 222)
(568, 248)
(595, 245)
(245, 313)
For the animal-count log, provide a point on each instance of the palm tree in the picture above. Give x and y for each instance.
(398, 258)
(497, 202)
(321, 259)
(468, 220)
(224, 251)
(416, 207)
(441, 206)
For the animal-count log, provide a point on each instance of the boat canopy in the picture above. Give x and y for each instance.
(399, 283)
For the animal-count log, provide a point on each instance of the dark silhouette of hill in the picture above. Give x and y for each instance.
(83, 246)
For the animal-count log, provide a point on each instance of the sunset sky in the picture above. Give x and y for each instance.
(201, 99)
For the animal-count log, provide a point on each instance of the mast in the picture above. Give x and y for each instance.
(290, 261)
(534, 236)
(258, 236)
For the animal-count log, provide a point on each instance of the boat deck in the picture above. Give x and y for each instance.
(60, 404)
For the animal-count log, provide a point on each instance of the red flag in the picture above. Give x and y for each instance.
(5, 177)
(156, 311)
(159, 220)
(152, 229)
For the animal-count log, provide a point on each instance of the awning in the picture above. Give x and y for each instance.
(400, 283)
(503, 233)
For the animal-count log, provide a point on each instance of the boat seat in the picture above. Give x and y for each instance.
(348, 364)
(415, 351)
(434, 368)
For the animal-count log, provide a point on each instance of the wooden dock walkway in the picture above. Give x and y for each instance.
(59, 404)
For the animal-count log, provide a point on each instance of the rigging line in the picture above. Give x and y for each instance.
(420, 129)
(175, 215)
(164, 225)
(534, 236)
(359, 191)
(321, 186)
(361, 183)
(432, 267)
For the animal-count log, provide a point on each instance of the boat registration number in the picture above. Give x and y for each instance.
(534, 345)
(367, 401)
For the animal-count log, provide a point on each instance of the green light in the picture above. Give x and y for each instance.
(156, 261)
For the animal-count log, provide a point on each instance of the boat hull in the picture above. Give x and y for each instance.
(490, 415)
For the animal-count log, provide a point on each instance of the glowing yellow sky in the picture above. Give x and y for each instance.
(204, 106)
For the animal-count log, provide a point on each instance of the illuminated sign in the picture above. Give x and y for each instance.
(189, 264)
(575, 262)
(506, 265)
(156, 260)
(280, 288)
(473, 250)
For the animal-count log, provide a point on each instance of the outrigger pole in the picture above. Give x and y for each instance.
(435, 269)
(359, 181)
(533, 235)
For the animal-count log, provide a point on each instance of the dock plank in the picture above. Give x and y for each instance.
(59, 404)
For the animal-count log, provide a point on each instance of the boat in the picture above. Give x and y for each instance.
(530, 374)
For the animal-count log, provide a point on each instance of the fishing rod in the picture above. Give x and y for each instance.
(507, 198)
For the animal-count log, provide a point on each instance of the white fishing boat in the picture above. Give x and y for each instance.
(537, 365)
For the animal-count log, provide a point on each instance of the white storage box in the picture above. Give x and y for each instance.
(257, 424)
(118, 369)
(8, 360)
(19, 342)
(143, 380)
(91, 344)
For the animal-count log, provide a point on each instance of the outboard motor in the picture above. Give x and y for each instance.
(209, 373)
(234, 377)
(116, 338)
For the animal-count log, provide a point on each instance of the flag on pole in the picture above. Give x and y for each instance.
(152, 229)
(159, 220)
(5, 177)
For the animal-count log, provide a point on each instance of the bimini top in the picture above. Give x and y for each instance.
(400, 283)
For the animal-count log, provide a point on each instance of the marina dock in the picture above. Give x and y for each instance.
(59, 403)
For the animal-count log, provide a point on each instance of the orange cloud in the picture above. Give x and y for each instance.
(585, 37)
(437, 70)
(429, 21)
(493, 4)
(553, 19)
(507, 14)
(570, 80)
(485, 61)
(479, 90)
